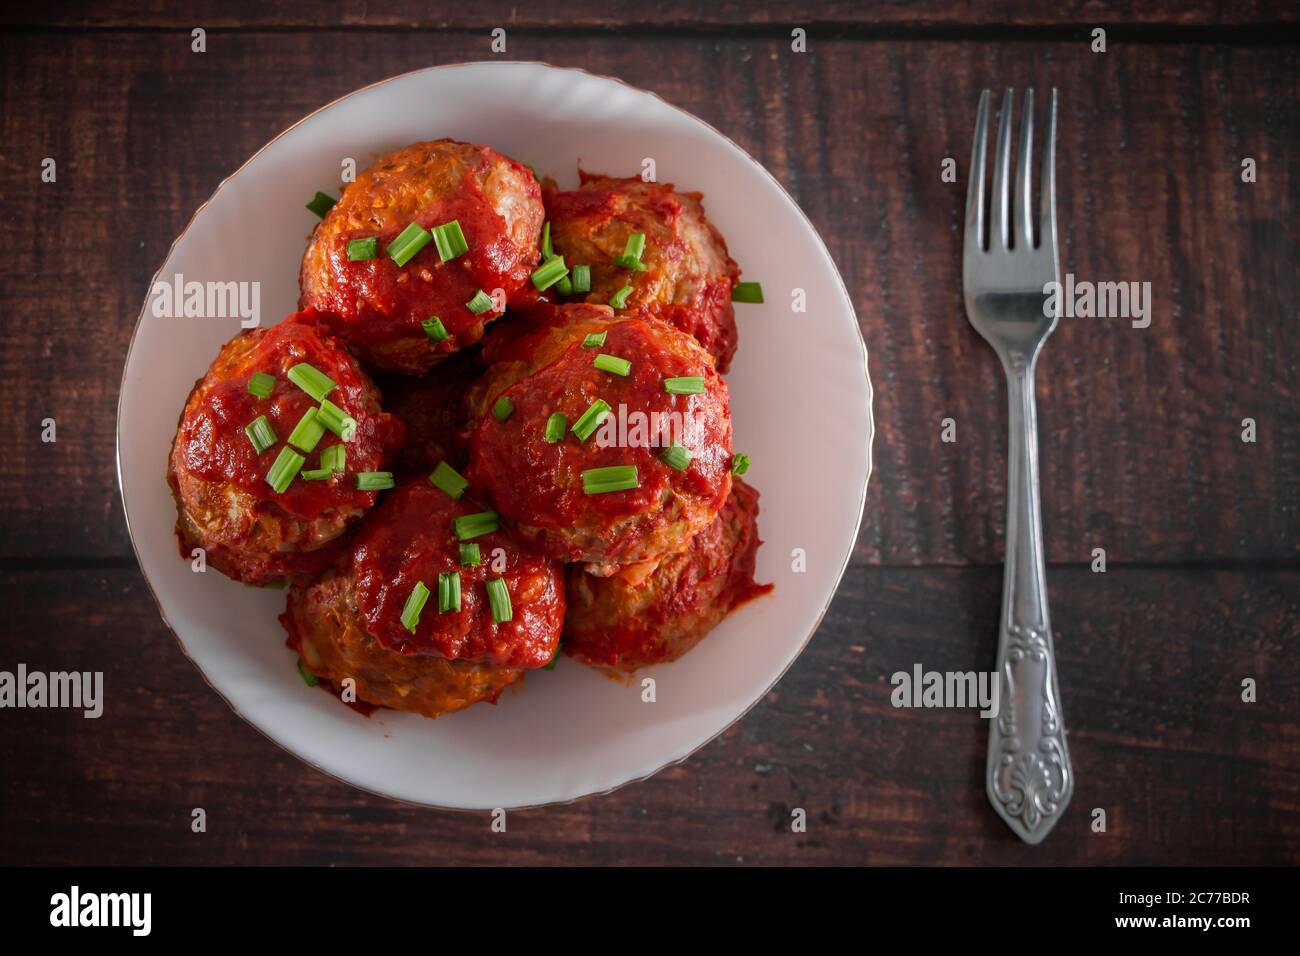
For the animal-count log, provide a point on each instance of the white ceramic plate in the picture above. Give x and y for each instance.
(800, 397)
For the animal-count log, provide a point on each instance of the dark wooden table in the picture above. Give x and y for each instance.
(1141, 428)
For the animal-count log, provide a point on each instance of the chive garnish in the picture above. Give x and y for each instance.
(547, 251)
(414, 605)
(334, 458)
(321, 204)
(311, 380)
(598, 481)
(747, 292)
(435, 330)
(374, 480)
(502, 408)
(469, 555)
(684, 385)
(549, 273)
(261, 385)
(260, 433)
(612, 364)
(482, 302)
(556, 426)
(336, 420)
(581, 276)
(619, 299)
(408, 242)
(448, 591)
(499, 599)
(308, 432)
(590, 419)
(450, 240)
(361, 249)
(739, 464)
(448, 480)
(285, 468)
(594, 340)
(316, 474)
(472, 526)
(676, 457)
(308, 678)
(631, 257)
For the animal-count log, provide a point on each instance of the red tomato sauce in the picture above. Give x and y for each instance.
(213, 444)
(410, 538)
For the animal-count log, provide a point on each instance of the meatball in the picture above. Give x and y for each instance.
(688, 275)
(435, 411)
(631, 620)
(380, 307)
(654, 409)
(415, 537)
(221, 479)
(326, 629)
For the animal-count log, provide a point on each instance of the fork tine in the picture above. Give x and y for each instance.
(975, 189)
(1024, 163)
(1001, 225)
(1047, 180)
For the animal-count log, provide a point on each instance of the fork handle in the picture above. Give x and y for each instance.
(1028, 775)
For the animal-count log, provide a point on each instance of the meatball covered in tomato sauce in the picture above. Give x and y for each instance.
(327, 630)
(634, 619)
(604, 440)
(685, 276)
(480, 594)
(261, 482)
(406, 314)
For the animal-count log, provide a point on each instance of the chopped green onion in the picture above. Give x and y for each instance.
(469, 555)
(594, 340)
(450, 240)
(631, 257)
(316, 474)
(676, 457)
(581, 278)
(472, 526)
(613, 364)
(448, 591)
(414, 605)
(374, 480)
(684, 385)
(308, 432)
(556, 426)
(482, 302)
(308, 678)
(564, 286)
(499, 598)
(590, 419)
(448, 480)
(747, 292)
(261, 385)
(435, 330)
(549, 273)
(598, 481)
(285, 468)
(547, 251)
(260, 433)
(555, 659)
(337, 420)
(739, 464)
(619, 299)
(408, 242)
(361, 249)
(334, 458)
(311, 380)
(321, 204)
(502, 408)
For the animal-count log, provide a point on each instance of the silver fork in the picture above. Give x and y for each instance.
(1028, 775)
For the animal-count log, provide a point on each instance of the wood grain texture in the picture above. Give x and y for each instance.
(1161, 740)
(660, 15)
(1141, 428)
